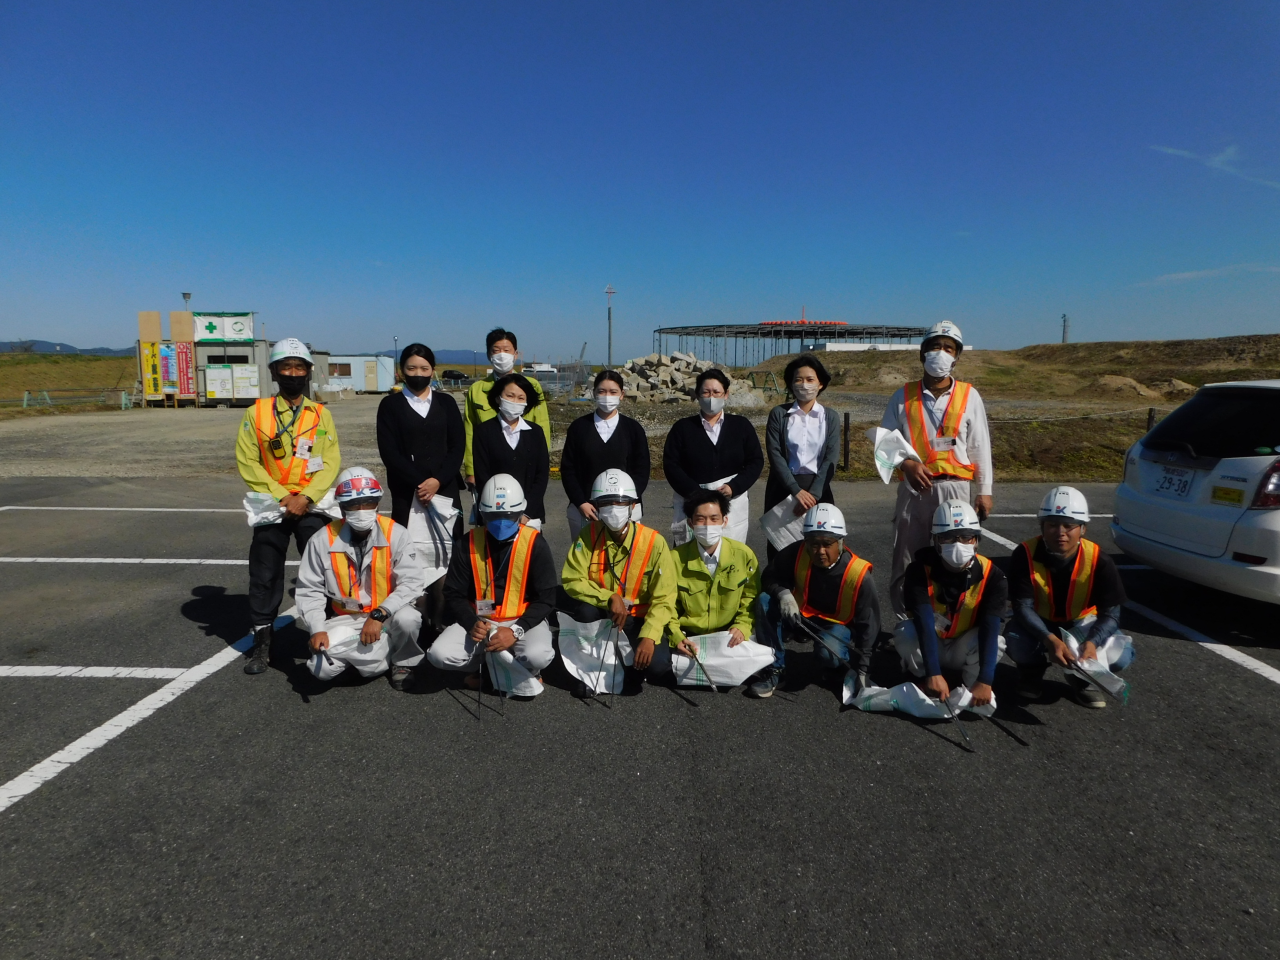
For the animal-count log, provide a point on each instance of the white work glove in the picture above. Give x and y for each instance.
(788, 608)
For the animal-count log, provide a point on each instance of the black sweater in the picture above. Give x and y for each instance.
(690, 459)
(1107, 592)
(539, 590)
(415, 448)
(529, 462)
(586, 456)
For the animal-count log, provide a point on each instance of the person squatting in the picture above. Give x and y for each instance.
(495, 605)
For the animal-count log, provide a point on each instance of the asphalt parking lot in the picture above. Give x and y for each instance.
(274, 817)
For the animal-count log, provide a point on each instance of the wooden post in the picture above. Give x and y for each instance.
(1151, 418)
(846, 441)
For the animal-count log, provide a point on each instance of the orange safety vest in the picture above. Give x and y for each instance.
(513, 603)
(967, 612)
(850, 585)
(379, 567)
(288, 471)
(1081, 582)
(937, 462)
(632, 574)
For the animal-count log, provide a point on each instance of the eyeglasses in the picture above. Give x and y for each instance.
(959, 536)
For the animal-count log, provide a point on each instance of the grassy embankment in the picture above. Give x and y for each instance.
(52, 371)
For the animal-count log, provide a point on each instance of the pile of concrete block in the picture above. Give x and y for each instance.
(659, 378)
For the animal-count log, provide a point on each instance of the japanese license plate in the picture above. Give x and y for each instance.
(1174, 482)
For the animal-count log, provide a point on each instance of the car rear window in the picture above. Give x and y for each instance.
(1228, 422)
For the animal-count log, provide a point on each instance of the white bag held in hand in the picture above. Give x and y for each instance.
(345, 649)
(1098, 669)
(327, 505)
(430, 526)
(781, 524)
(961, 698)
(890, 449)
(510, 675)
(906, 697)
(590, 653)
(723, 665)
(262, 509)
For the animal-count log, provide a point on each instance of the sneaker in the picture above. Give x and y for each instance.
(764, 687)
(1031, 682)
(260, 653)
(1085, 693)
(580, 690)
(399, 676)
(471, 681)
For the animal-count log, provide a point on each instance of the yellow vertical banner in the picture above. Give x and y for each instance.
(152, 388)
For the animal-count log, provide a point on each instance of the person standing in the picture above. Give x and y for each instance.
(510, 444)
(714, 450)
(803, 441)
(286, 447)
(601, 441)
(421, 441)
(500, 348)
(945, 422)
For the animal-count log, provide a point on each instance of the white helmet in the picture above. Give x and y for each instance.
(944, 328)
(614, 486)
(290, 347)
(502, 493)
(825, 519)
(954, 516)
(356, 483)
(1064, 503)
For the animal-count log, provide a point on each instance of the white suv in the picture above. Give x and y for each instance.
(1201, 492)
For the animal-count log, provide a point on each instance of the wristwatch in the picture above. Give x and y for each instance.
(518, 631)
(380, 615)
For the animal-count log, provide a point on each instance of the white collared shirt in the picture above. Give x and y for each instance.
(511, 431)
(419, 405)
(806, 434)
(712, 559)
(974, 436)
(713, 429)
(606, 427)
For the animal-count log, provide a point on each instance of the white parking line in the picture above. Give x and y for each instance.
(166, 560)
(1221, 649)
(999, 539)
(129, 673)
(46, 770)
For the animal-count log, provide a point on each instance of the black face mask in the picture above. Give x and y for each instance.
(417, 384)
(291, 387)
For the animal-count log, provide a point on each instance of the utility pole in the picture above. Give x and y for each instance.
(609, 292)
(1066, 328)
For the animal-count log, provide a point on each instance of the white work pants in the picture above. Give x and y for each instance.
(912, 522)
(455, 650)
(959, 653)
(397, 646)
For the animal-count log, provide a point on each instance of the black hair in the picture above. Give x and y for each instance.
(806, 360)
(496, 334)
(613, 375)
(712, 374)
(417, 350)
(699, 497)
(531, 397)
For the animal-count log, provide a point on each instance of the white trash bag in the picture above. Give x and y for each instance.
(961, 698)
(906, 697)
(511, 676)
(1099, 669)
(431, 526)
(890, 450)
(781, 524)
(345, 649)
(262, 509)
(723, 665)
(590, 652)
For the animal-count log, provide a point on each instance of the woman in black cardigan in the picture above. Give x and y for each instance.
(712, 446)
(421, 441)
(529, 460)
(587, 453)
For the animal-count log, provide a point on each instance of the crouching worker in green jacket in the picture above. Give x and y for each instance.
(717, 579)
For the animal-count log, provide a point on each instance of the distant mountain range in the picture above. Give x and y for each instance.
(47, 346)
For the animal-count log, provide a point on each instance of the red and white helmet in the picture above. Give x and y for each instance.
(355, 484)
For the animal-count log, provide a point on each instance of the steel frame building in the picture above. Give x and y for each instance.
(755, 342)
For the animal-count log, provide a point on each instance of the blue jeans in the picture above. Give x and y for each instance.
(1027, 651)
(775, 633)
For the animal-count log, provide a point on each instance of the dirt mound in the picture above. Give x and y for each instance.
(1122, 385)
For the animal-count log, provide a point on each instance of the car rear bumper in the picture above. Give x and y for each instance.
(1260, 582)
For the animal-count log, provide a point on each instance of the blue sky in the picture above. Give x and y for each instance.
(356, 172)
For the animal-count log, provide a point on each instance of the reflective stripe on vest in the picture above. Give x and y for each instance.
(967, 612)
(850, 585)
(632, 573)
(288, 471)
(937, 462)
(379, 567)
(1079, 590)
(513, 603)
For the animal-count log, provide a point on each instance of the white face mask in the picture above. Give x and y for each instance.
(711, 405)
(708, 534)
(607, 402)
(957, 556)
(616, 516)
(510, 409)
(502, 363)
(361, 520)
(938, 363)
(804, 392)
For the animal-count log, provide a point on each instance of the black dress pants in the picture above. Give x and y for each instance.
(266, 562)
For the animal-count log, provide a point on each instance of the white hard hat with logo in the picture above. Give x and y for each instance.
(502, 493)
(290, 347)
(1064, 503)
(614, 486)
(354, 484)
(955, 516)
(944, 328)
(824, 519)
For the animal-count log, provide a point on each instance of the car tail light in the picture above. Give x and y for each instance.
(1268, 495)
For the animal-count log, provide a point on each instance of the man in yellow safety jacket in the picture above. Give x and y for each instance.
(286, 448)
(500, 348)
